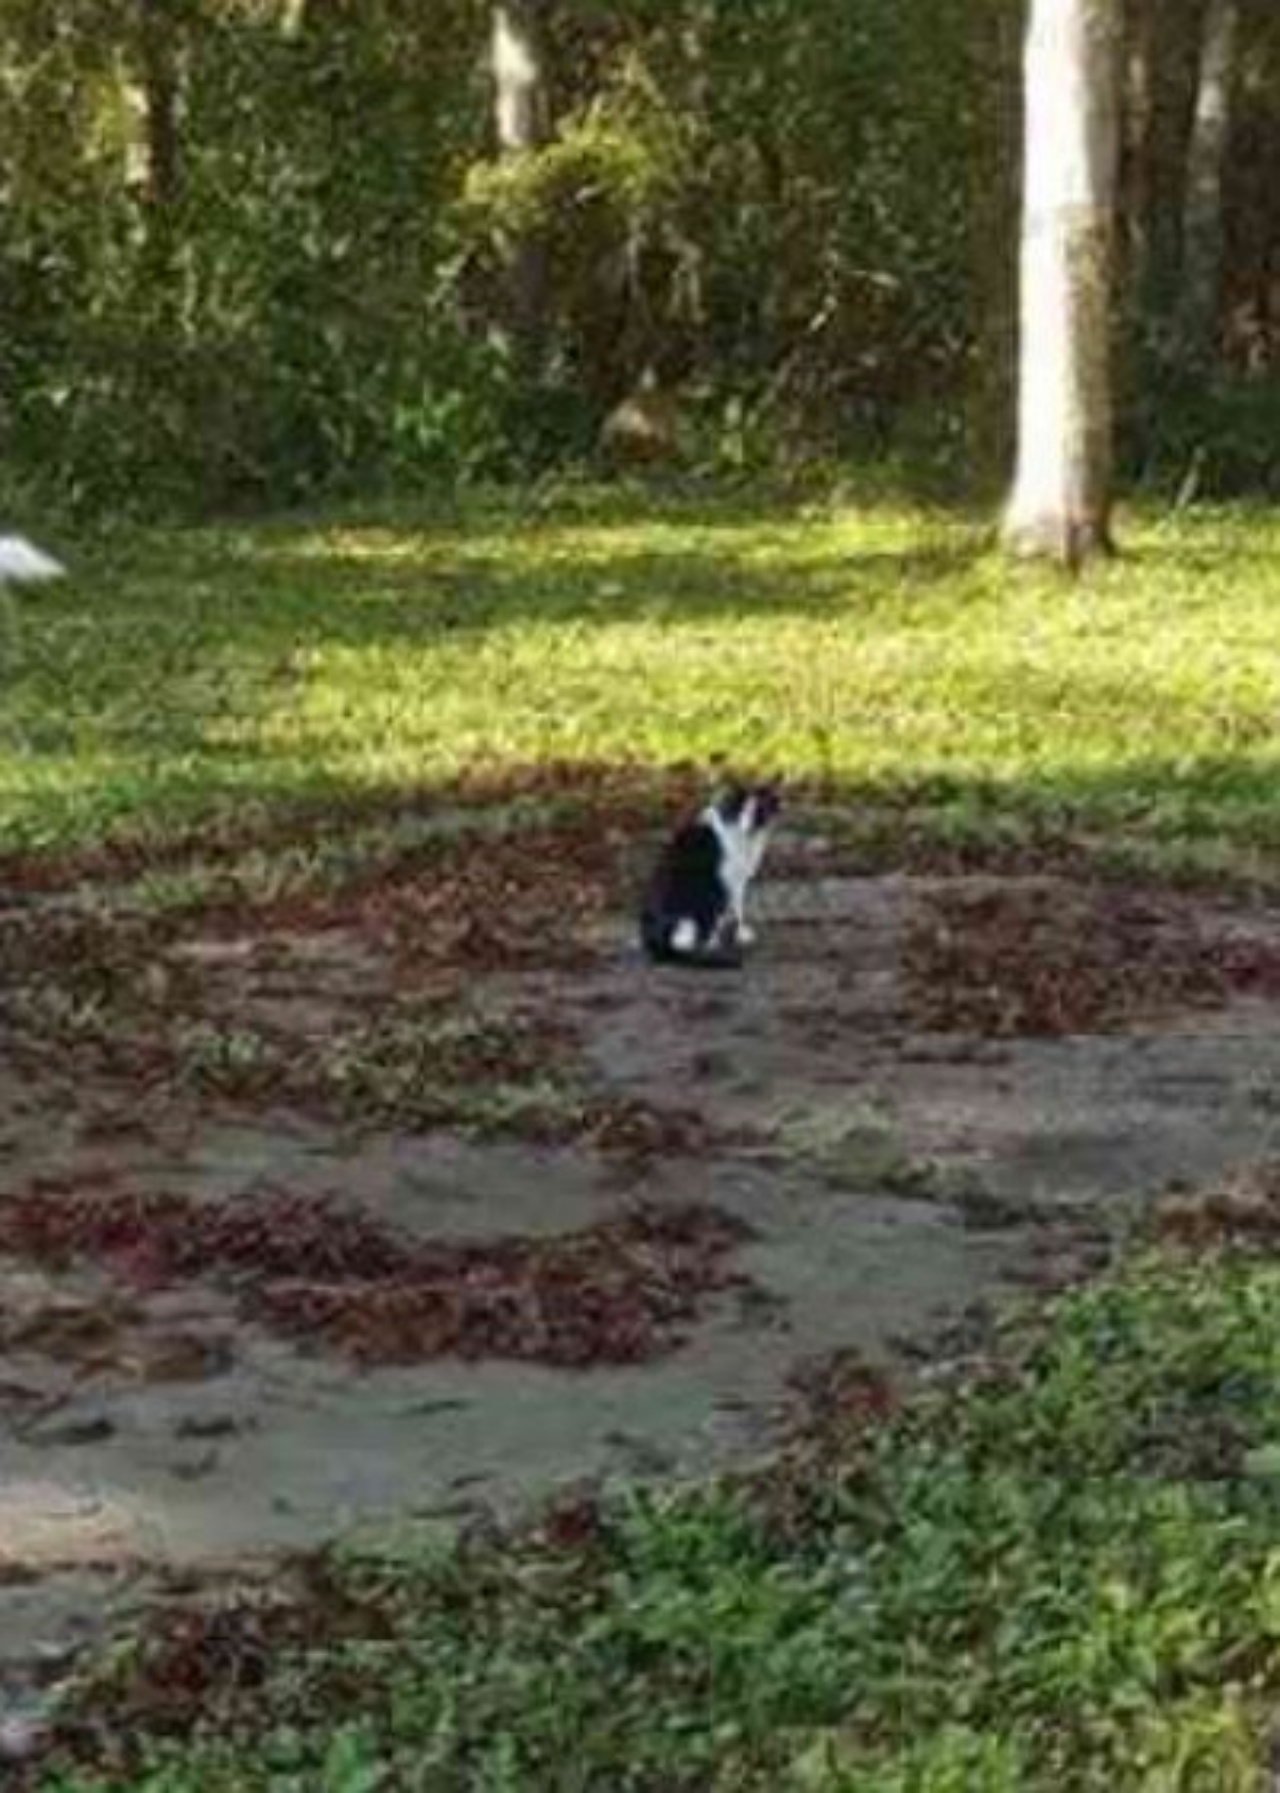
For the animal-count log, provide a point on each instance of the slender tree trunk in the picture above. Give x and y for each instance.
(1202, 234)
(1175, 36)
(1137, 149)
(1060, 506)
(993, 199)
(521, 120)
(162, 147)
(1251, 267)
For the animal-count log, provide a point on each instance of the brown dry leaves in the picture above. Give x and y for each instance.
(218, 1653)
(1055, 959)
(504, 870)
(613, 1293)
(232, 1000)
(1243, 1212)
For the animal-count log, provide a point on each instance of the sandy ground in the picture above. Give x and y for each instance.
(891, 1178)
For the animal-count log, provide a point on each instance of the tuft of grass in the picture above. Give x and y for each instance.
(857, 1151)
(1061, 1573)
(189, 677)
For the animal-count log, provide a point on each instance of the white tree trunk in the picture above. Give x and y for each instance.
(519, 104)
(161, 56)
(1202, 229)
(520, 121)
(1060, 506)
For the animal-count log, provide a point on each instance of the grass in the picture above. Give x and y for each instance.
(183, 677)
(1062, 1573)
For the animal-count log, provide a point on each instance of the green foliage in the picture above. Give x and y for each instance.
(1212, 438)
(753, 200)
(802, 219)
(305, 332)
(623, 151)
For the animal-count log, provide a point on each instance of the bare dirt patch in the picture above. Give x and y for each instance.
(311, 1192)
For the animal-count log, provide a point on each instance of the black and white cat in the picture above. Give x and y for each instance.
(694, 910)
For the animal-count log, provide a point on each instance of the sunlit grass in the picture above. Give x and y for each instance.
(888, 648)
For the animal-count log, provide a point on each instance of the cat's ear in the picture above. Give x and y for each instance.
(768, 801)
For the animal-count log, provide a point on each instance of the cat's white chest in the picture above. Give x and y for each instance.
(737, 864)
(741, 851)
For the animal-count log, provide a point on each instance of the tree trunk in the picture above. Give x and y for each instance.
(994, 51)
(1060, 506)
(1137, 150)
(162, 167)
(521, 121)
(1202, 230)
(1162, 60)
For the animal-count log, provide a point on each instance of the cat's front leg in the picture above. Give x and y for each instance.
(743, 934)
(735, 891)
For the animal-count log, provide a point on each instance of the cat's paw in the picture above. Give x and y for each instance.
(684, 936)
(745, 936)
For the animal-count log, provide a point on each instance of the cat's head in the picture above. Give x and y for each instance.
(751, 807)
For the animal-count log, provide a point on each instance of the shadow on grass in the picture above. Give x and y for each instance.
(209, 675)
(454, 583)
(1214, 826)
(179, 664)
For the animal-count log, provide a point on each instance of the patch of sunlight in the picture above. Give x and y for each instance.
(524, 542)
(48, 1524)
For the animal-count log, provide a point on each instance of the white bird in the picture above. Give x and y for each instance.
(22, 563)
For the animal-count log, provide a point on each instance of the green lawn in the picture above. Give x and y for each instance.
(223, 671)
(1062, 1576)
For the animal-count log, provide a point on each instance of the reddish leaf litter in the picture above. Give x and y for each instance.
(839, 1404)
(1050, 959)
(842, 1393)
(614, 1293)
(513, 892)
(628, 1129)
(485, 901)
(204, 1662)
(91, 982)
(573, 1523)
(94, 957)
(632, 796)
(112, 993)
(1244, 1212)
